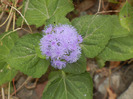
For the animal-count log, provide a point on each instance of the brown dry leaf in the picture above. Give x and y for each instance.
(39, 89)
(86, 4)
(88, 68)
(103, 71)
(114, 64)
(112, 95)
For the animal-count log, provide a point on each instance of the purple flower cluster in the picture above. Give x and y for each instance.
(61, 45)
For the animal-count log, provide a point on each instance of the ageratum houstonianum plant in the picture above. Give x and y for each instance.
(105, 38)
(60, 44)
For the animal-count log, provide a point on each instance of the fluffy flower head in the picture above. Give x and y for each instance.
(61, 44)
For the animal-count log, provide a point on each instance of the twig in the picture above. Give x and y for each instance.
(3, 12)
(9, 22)
(13, 81)
(25, 30)
(23, 18)
(6, 18)
(9, 91)
(26, 81)
(9, 33)
(14, 17)
(103, 5)
(3, 94)
(99, 7)
(33, 86)
(108, 11)
(13, 27)
(26, 7)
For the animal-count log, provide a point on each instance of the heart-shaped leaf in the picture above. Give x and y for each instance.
(69, 87)
(23, 56)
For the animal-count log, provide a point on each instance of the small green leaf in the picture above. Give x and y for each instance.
(70, 87)
(23, 56)
(38, 11)
(96, 32)
(7, 41)
(77, 67)
(126, 16)
(118, 49)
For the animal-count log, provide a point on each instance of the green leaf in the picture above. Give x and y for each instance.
(126, 16)
(96, 32)
(7, 41)
(77, 67)
(6, 73)
(70, 87)
(38, 11)
(119, 46)
(23, 56)
(118, 49)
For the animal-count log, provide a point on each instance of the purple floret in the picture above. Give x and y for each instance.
(61, 45)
